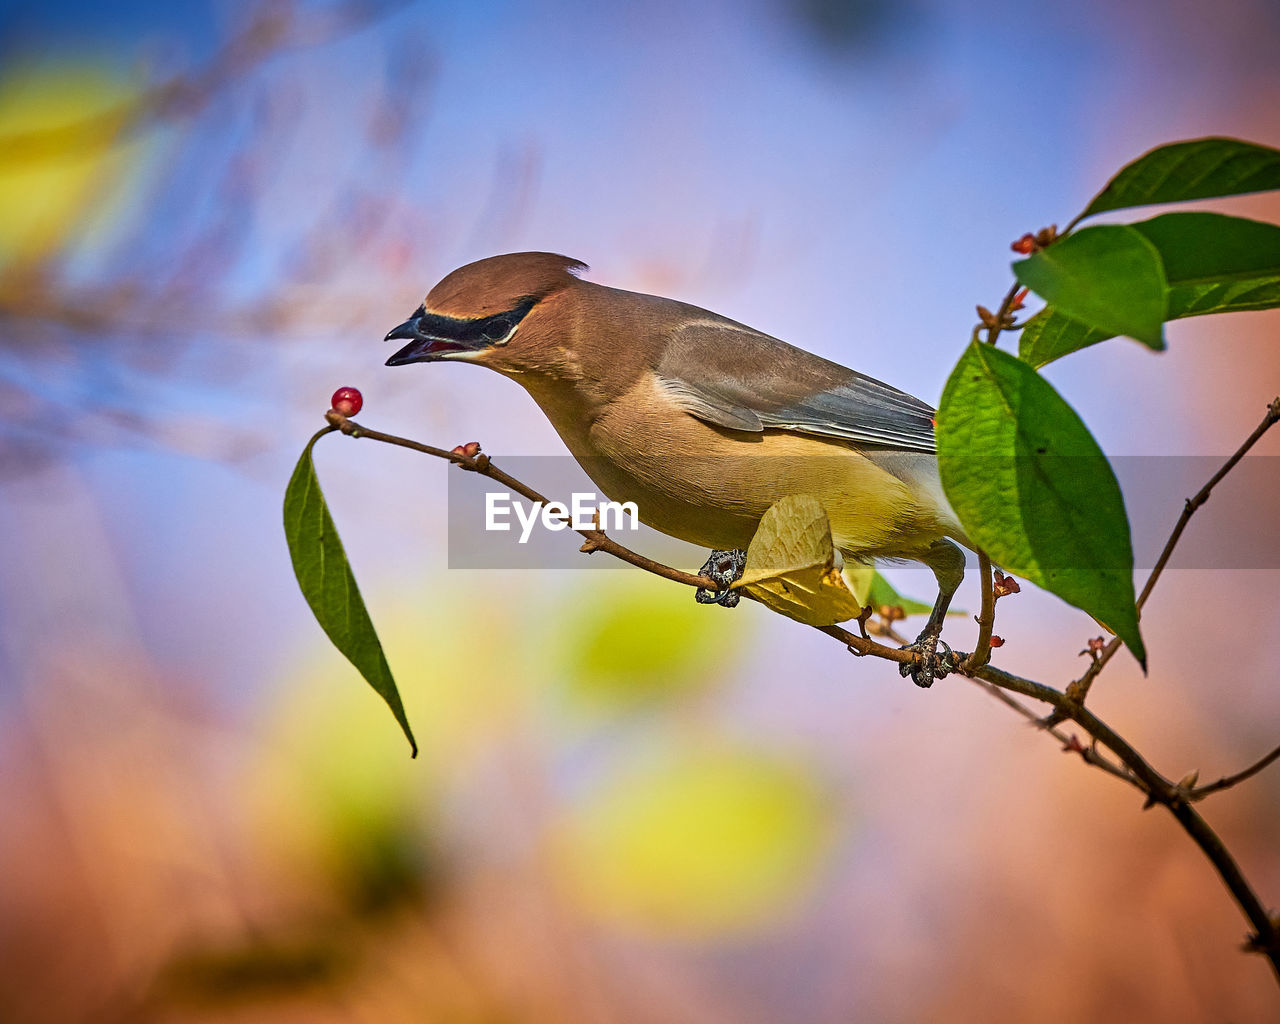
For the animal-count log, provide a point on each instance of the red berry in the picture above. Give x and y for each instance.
(347, 401)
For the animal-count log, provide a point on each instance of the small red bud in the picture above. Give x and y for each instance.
(997, 641)
(1018, 300)
(346, 401)
(1097, 644)
(1005, 585)
(1025, 245)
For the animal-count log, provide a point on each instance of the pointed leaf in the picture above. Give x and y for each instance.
(1213, 264)
(329, 586)
(1033, 489)
(860, 578)
(791, 564)
(1199, 169)
(1209, 247)
(1109, 278)
(1050, 335)
(883, 592)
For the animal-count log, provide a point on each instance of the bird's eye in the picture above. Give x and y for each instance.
(497, 330)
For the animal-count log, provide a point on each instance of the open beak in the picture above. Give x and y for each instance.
(423, 347)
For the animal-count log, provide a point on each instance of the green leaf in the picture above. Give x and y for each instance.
(885, 593)
(329, 586)
(1199, 169)
(1033, 489)
(1109, 278)
(1213, 264)
(1199, 248)
(870, 588)
(1050, 335)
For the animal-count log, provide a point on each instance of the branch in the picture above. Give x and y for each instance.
(1200, 792)
(1266, 936)
(1002, 319)
(1079, 689)
(598, 540)
(986, 617)
(1089, 754)
(271, 30)
(595, 540)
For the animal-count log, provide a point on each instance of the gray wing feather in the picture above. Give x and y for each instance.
(734, 377)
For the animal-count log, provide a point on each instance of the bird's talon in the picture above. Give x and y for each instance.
(724, 568)
(931, 663)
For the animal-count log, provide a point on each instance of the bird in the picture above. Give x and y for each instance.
(702, 421)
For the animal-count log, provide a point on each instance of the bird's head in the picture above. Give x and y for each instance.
(490, 312)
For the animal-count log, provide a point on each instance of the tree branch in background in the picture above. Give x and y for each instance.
(1079, 689)
(271, 30)
(1200, 792)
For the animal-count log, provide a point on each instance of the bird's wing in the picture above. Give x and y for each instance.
(732, 376)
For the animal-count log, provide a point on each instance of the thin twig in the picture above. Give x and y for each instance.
(598, 540)
(1266, 936)
(1079, 689)
(1268, 421)
(1090, 754)
(986, 617)
(595, 540)
(1005, 308)
(1200, 792)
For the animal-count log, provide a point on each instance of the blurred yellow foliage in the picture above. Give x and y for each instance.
(697, 842)
(61, 163)
(639, 641)
(335, 787)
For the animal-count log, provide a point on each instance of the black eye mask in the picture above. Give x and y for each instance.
(432, 336)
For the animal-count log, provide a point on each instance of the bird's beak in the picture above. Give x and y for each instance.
(426, 348)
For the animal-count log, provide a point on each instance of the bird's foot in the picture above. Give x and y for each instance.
(724, 567)
(931, 664)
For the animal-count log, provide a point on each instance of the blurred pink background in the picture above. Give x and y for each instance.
(628, 808)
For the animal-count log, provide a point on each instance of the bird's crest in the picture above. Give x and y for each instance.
(500, 283)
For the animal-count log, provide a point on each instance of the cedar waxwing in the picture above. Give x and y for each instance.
(701, 421)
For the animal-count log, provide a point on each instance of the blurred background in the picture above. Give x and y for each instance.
(627, 807)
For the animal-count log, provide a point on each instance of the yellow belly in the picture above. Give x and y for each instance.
(710, 486)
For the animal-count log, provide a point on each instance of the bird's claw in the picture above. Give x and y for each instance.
(724, 568)
(931, 664)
